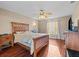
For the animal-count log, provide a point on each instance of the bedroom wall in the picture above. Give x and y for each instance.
(6, 17)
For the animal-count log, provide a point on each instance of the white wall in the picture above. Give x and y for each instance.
(6, 17)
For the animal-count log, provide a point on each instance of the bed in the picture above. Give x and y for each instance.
(31, 41)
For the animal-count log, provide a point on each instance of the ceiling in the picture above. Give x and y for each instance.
(32, 8)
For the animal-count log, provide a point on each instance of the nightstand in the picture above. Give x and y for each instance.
(6, 40)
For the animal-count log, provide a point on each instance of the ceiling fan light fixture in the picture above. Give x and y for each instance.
(43, 14)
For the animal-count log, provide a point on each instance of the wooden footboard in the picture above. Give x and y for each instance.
(39, 43)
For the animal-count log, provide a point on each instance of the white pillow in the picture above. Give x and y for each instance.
(26, 34)
(19, 32)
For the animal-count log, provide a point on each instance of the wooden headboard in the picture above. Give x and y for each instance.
(19, 27)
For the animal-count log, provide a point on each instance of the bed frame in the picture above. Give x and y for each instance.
(39, 42)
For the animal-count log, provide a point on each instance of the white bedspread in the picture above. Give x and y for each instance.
(27, 39)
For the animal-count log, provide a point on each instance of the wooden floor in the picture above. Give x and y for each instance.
(55, 49)
(16, 51)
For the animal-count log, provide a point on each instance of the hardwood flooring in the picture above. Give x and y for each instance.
(16, 51)
(55, 49)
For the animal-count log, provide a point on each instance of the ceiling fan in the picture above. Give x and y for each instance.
(44, 14)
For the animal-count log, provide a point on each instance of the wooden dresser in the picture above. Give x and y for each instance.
(6, 39)
(72, 40)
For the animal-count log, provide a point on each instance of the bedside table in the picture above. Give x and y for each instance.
(6, 40)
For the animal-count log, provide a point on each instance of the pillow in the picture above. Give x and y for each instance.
(19, 32)
(27, 31)
(18, 37)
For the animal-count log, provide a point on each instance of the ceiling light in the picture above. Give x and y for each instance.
(43, 14)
